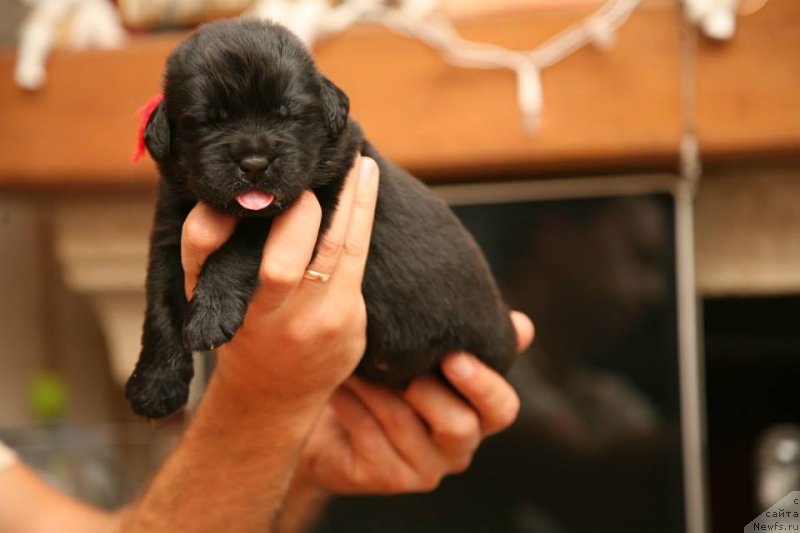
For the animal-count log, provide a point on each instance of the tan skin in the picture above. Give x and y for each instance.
(283, 425)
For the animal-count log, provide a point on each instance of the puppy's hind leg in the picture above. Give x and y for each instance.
(224, 289)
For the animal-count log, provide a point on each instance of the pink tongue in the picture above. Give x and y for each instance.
(255, 200)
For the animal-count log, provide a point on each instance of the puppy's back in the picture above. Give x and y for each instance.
(427, 286)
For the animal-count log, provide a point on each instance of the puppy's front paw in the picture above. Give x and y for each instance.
(158, 392)
(211, 321)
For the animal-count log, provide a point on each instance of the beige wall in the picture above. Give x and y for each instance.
(21, 342)
(44, 326)
(748, 231)
(11, 13)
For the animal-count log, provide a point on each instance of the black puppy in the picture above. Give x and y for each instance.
(246, 124)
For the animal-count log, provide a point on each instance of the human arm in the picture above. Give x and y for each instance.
(298, 342)
(24, 496)
(373, 440)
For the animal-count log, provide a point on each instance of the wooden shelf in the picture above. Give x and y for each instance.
(748, 89)
(603, 110)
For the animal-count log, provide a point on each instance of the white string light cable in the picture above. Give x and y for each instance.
(436, 31)
(691, 164)
(420, 19)
(715, 18)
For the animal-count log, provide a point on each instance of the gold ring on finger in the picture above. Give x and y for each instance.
(313, 275)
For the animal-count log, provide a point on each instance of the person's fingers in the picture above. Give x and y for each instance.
(350, 270)
(525, 329)
(404, 429)
(204, 231)
(362, 428)
(377, 467)
(331, 243)
(492, 397)
(287, 252)
(454, 425)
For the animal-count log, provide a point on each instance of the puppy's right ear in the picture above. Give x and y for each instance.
(335, 106)
(156, 133)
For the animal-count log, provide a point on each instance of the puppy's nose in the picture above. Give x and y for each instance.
(254, 165)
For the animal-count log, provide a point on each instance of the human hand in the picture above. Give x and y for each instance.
(371, 439)
(299, 337)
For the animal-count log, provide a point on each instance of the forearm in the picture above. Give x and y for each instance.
(29, 505)
(233, 466)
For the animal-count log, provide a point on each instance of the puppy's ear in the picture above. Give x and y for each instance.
(156, 133)
(335, 106)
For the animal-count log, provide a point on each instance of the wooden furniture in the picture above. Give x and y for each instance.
(619, 109)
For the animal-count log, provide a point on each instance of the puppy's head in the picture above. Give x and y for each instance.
(246, 117)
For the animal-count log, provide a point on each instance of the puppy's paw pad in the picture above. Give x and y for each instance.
(157, 394)
(209, 325)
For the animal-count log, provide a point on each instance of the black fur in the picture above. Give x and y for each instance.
(237, 89)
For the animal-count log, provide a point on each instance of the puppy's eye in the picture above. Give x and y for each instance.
(283, 111)
(187, 122)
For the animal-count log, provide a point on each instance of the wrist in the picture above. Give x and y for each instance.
(246, 379)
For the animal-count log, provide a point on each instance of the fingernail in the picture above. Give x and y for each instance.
(460, 366)
(368, 170)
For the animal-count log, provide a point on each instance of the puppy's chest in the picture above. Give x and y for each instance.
(251, 234)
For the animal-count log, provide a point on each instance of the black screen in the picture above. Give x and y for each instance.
(597, 445)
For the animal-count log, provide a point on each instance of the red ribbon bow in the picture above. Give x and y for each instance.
(146, 112)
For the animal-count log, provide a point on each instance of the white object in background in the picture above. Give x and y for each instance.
(716, 18)
(88, 23)
(315, 19)
(312, 20)
(7, 456)
(304, 17)
(599, 29)
(777, 463)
